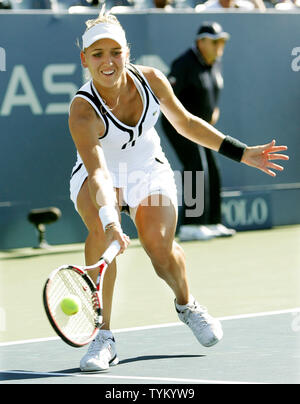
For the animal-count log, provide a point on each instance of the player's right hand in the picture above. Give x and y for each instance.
(115, 232)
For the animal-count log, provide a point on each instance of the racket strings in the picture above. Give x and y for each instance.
(96, 303)
(81, 325)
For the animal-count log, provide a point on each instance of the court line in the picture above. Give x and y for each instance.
(141, 378)
(236, 317)
(166, 325)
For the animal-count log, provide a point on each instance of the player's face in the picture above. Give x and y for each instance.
(105, 60)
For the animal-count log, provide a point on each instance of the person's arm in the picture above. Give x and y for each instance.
(215, 116)
(85, 129)
(201, 132)
(259, 4)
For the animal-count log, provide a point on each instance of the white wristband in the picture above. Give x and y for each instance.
(108, 214)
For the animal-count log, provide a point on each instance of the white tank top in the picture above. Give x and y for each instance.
(127, 148)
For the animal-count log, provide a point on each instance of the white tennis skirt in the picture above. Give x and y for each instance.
(156, 178)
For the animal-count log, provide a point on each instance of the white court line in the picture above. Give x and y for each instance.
(141, 378)
(236, 317)
(150, 327)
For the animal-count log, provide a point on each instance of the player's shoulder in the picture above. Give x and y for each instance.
(154, 76)
(82, 117)
(157, 81)
(81, 109)
(150, 73)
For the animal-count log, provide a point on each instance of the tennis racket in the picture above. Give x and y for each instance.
(79, 329)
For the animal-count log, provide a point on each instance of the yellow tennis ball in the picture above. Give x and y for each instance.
(70, 305)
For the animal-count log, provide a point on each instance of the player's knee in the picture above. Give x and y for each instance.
(97, 235)
(160, 251)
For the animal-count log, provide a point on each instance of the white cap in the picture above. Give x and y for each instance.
(104, 30)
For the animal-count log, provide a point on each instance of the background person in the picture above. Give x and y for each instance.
(196, 78)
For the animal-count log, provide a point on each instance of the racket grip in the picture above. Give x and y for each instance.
(111, 252)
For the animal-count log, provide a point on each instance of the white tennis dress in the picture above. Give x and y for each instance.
(133, 154)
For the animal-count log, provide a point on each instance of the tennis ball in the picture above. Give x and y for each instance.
(70, 305)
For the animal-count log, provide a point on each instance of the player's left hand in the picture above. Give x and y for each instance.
(261, 157)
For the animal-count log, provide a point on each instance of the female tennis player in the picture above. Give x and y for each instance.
(120, 164)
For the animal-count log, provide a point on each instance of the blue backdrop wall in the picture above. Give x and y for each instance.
(40, 71)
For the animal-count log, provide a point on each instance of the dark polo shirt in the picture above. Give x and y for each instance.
(196, 84)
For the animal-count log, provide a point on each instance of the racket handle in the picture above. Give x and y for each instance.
(111, 252)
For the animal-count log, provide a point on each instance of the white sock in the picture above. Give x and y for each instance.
(182, 307)
(106, 334)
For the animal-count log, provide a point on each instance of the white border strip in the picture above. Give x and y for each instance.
(150, 327)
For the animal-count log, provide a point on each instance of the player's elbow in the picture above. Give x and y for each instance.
(185, 126)
(99, 175)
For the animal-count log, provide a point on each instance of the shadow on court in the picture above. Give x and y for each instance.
(24, 375)
(157, 357)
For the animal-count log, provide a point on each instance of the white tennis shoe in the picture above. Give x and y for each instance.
(189, 232)
(206, 329)
(101, 354)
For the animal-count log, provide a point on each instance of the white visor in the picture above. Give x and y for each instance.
(101, 31)
(222, 35)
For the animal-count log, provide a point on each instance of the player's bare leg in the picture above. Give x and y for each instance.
(156, 227)
(95, 246)
(102, 351)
